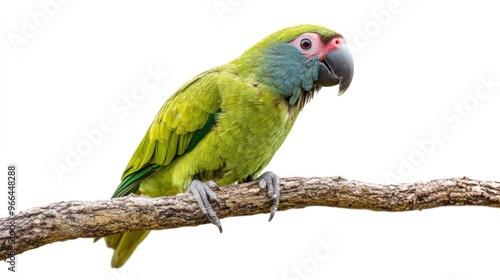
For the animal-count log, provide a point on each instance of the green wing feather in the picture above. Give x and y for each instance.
(181, 124)
(183, 121)
(131, 182)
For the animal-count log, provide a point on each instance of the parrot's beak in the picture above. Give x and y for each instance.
(336, 69)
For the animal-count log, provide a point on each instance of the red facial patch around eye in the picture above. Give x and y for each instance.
(309, 44)
(335, 43)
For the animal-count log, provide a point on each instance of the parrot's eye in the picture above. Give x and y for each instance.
(305, 44)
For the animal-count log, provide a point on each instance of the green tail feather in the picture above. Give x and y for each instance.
(124, 245)
(129, 185)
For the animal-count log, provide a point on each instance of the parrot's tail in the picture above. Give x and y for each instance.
(124, 245)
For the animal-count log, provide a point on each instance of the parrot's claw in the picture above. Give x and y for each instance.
(271, 181)
(203, 193)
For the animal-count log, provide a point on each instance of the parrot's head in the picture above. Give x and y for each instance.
(297, 61)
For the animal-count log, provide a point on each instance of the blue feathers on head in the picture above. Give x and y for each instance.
(285, 68)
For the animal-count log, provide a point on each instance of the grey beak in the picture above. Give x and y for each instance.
(336, 69)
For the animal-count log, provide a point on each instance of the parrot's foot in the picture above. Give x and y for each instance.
(203, 194)
(271, 181)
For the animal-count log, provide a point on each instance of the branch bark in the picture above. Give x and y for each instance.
(67, 220)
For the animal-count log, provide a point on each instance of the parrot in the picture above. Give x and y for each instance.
(225, 125)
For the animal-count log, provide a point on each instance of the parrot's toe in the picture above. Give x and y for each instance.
(203, 193)
(271, 181)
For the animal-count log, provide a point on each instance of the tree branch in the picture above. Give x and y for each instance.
(67, 220)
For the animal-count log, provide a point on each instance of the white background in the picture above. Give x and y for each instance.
(416, 64)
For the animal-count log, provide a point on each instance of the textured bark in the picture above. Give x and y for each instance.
(66, 220)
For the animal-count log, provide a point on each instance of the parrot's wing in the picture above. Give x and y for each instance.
(182, 122)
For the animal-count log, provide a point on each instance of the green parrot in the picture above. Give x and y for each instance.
(225, 124)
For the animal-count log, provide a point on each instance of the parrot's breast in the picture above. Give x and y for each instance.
(251, 127)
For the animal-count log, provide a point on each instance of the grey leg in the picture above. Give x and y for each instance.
(203, 194)
(271, 181)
